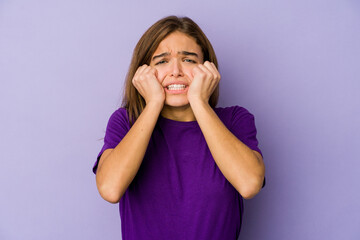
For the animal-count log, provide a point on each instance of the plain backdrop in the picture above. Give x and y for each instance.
(293, 64)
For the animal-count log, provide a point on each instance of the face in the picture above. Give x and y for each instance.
(174, 60)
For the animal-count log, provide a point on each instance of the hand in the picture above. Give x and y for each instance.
(146, 82)
(206, 77)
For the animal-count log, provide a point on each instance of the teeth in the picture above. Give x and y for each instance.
(176, 86)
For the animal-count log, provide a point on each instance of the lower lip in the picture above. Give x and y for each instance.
(176, 91)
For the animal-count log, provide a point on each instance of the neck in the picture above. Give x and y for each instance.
(181, 114)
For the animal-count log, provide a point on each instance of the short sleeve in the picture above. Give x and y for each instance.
(117, 128)
(243, 127)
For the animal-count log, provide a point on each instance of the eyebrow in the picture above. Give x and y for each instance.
(161, 55)
(186, 53)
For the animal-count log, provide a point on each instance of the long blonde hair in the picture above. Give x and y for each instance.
(145, 48)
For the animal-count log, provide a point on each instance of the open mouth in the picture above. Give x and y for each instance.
(176, 87)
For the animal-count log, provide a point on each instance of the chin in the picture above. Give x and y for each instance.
(177, 102)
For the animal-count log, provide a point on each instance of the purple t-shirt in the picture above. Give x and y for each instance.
(179, 191)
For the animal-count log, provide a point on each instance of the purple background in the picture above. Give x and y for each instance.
(294, 64)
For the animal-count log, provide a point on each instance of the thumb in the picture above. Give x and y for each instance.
(194, 71)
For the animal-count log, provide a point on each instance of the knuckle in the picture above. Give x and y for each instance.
(202, 74)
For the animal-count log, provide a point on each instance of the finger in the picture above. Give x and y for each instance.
(208, 65)
(196, 71)
(146, 70)
(206, 71)
(143, 68)
(216, 70)
(140, 70)
(212, 74)
(155, 72)
(146, 73)
(213, 64)
(212, 68)
(150, 71)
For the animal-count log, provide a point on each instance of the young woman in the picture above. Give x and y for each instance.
(178, 164)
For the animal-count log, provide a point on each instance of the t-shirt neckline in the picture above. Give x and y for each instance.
(176, 123)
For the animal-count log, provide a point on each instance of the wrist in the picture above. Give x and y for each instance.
(156, 105)
(198, 102)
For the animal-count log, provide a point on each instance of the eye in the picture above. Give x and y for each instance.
(161, 62)
(189, 60)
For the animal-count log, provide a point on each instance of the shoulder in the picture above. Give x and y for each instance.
(231, 110)
(120, 113)
(229, 115)
(119, 118)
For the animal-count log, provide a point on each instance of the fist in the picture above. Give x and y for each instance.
(146, 82)
(206, 77)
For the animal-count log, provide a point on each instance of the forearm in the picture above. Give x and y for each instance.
(117, 170)
(238, 163)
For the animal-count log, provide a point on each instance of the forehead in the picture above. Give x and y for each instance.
(177, 42)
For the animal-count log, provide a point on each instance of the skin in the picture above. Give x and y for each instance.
(177, 59)
(171, 62)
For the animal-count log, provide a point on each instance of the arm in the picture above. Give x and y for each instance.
(117, 167)
(240, 165)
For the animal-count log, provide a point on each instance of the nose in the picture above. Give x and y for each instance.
(176, 69)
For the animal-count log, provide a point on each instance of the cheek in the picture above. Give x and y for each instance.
(161, 74)
(188, 73)
(162, 77)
